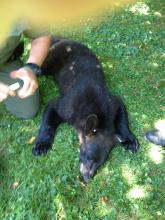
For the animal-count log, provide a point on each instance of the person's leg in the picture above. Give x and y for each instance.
(156, 137)
(21, 108)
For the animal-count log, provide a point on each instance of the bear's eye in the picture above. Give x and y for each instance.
(91, 133)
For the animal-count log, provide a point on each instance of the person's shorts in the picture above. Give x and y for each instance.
(21, 108)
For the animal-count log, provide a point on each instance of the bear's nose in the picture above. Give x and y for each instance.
(85, 172)
(86, 177)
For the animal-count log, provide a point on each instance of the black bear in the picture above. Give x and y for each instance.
(99, 117)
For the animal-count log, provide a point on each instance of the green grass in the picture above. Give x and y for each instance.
(131, 47)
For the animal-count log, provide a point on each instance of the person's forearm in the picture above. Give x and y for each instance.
(39, 50)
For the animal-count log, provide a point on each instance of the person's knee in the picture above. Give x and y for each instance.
(23, 108)
(28, 115)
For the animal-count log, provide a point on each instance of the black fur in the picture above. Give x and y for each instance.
(99, 117)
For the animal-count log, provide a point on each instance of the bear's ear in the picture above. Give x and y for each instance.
(91, 124)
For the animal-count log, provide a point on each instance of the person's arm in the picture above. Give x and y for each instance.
(38, 52)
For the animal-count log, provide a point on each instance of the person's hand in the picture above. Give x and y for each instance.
(5, 91)
(29, 79)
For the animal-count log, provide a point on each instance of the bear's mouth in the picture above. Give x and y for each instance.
(88, 171)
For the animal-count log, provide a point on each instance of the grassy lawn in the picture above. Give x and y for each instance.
(130, 43)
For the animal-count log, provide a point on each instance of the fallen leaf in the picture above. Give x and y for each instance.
(104, 199)
(15, 184)
(31, 140)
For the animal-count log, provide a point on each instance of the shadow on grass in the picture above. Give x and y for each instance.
(122, 189)
(4, 180)
(128, 186)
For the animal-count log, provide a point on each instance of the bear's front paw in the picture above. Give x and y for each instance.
(131, 144)
(41, 148)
